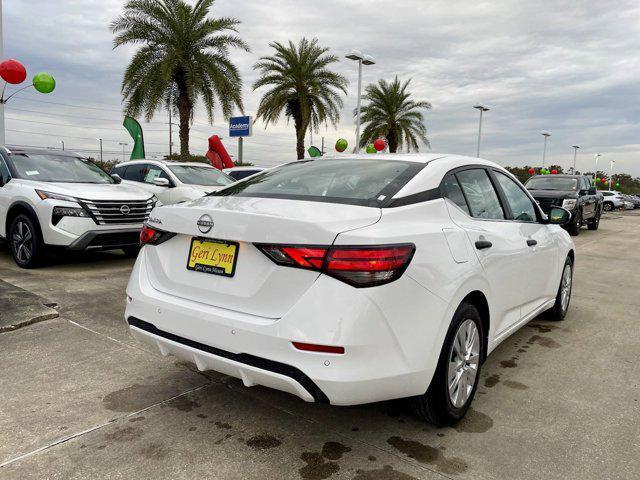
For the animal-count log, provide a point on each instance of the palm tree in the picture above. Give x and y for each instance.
(390, 113)
(301, 86)
(183, 55)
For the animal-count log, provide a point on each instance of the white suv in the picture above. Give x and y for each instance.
(612, 200)
(52, 198)
(172, 182)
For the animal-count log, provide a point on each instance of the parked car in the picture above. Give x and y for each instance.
(243, 172)
(573, 192)
(353, 279)
(612, 200)
(172, 182)
(59, 199)
(632, 200)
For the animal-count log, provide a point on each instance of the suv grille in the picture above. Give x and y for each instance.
(111, 212)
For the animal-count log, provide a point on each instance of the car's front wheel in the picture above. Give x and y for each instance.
(563, 297)
(24, 241)
(607, 207)
(455, 381)
(574, 227)
(594, 223)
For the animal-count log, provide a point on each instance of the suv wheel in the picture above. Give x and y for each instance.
(563, 297)
(607, 207)
(574, 227)
(594, 223)
(456, 378)
(24, 240)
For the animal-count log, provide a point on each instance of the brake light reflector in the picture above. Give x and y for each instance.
(359, 266)
(147, 235)
(311, 347)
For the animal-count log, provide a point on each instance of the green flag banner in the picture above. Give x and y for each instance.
(135, 130)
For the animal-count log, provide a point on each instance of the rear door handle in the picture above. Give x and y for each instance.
(532, 243)
(482, 244)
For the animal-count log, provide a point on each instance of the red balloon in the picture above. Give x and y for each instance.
(12, 71)
(604, 181)
(531, 171)
(554, 172)
(379, 144)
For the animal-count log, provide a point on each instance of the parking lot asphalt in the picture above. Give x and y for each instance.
(79, 398)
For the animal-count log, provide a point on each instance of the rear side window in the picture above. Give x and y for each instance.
(521, 206)
(347, 181)
(453, 191)
(135, 173)
(4, 172)
(482, 197)
(240, 174)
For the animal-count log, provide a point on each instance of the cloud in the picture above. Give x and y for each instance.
(564, 66)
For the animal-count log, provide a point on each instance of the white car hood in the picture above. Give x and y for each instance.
(94, 191)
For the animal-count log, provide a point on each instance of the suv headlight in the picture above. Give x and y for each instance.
(569, 203)
(55, 196)
(59, 212)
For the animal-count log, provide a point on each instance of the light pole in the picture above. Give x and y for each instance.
(575, 156)
(100, 140)
(595, 171)
(123, 144)
(546, 135)
(2, 137)
(62, 142)
(611, 164)
(362, 59)
(482, 108)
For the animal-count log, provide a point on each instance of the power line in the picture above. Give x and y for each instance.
(72, 126)
(78, 138)
(67, 104)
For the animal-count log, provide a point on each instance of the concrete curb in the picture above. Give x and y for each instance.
(19, 308)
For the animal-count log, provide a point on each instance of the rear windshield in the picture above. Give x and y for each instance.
(552, 183)
(348, 181)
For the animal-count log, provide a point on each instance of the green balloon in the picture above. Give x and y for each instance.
(341, 145)
(44, 83)
(314, 151)
(370, 148)
(617, 184)
(598, 179)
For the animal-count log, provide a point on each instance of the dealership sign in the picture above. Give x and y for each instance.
(240, 126)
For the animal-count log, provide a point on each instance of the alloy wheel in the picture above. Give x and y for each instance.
(22, 242)
(464, 361)
(565, 287)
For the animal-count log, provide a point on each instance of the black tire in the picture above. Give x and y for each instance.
(607, 207)
(131, 252)
(558, 312)
(25, 241)
(594, 223)
(574, 227)
(435, 405)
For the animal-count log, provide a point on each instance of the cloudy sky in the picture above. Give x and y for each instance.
(569, 67)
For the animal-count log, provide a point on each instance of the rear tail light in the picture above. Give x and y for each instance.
(359, 266)
(312, 347)
(152, 236)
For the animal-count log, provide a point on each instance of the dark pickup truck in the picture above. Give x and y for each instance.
(572, 192)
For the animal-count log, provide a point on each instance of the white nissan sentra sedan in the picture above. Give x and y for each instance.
(353, 280)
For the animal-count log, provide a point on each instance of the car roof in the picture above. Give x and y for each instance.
(164, 162)
(40, 151)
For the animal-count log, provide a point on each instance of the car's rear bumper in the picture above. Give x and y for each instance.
(392, 343)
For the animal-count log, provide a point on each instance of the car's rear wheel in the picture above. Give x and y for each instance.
(607, 207)
(594, 223)
(574, 227)
(561, 306)
(455, 381)
(24, 241)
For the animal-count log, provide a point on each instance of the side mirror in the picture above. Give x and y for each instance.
(559, 216)
(161, 182)
(592, 191)
(116, 177)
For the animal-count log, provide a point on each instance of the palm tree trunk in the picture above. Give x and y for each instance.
(392, 141)
(300, 134)
(184, 110)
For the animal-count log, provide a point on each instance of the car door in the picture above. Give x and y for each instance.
(588, 199)
(5, 197)
(499, 244)
(540, 280)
